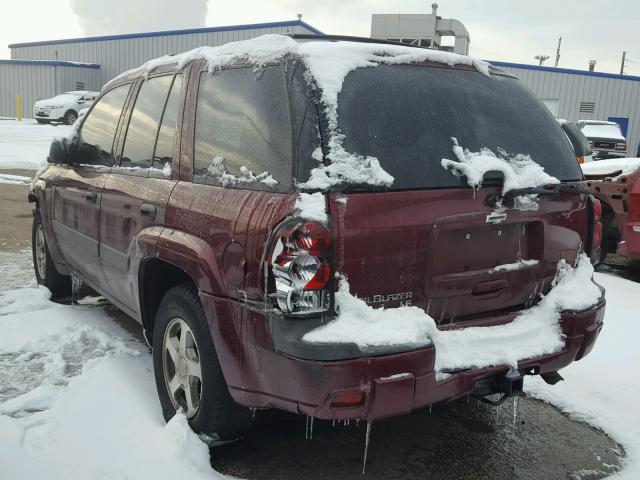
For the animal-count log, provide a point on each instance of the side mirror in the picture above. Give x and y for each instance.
(61, 151)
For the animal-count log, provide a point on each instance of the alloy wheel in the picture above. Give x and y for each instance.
(41, 252)
(181, 367)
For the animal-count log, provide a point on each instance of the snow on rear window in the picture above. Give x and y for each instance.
(519, 171)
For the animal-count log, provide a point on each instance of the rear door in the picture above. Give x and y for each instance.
(78, 191)
(137, 191)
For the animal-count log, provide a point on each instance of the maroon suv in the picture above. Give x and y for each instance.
(176, 200)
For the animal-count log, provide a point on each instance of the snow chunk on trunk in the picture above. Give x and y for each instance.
(532, 333)
(516, 265)
(312, 206)
(519, 171)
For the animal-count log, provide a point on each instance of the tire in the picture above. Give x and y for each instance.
(181, 316)
(43, 266)
(41, 122)
(70, 117)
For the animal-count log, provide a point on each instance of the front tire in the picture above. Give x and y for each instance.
(45, 270)
(187, 370)
(70, 117)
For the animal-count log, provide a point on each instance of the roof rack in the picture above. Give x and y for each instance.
(348, 38)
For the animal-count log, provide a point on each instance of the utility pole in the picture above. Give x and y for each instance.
(541, 58)
(624, 59)
(558, 51)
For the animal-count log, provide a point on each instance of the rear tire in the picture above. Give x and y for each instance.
(43, 266)
(182, 350)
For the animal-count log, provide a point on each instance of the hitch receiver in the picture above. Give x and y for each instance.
(508, 385)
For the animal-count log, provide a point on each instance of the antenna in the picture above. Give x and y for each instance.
(541, 58)
(558, 51)
(299, 16)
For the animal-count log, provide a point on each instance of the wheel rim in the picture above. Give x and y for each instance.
(71, 119)
(181, 367)
(41, 256)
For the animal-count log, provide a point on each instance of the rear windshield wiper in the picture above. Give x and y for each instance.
(549, 189)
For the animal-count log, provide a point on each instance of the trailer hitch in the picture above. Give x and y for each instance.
(509, 385)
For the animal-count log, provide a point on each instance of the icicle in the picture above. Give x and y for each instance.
(430, 409)
(333, 422)
(76, 285)
(253, 413)
(311, 419)
(348, 421)
(515, 413)
(306, 428)
(366, 446)
(357, 422)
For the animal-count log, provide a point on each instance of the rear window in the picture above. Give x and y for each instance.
(405, 116)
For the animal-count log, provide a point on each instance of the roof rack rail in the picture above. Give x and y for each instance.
(348, 38)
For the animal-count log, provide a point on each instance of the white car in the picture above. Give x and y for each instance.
(64, 107)
(605, 138)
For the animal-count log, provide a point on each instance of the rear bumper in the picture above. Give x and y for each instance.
(392, 384)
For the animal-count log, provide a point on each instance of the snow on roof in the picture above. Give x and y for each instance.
(614, 166)
(599, 129)
(328, 63)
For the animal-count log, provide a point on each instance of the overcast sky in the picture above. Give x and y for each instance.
(507, 30)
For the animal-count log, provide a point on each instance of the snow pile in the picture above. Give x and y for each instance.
(603, 389)
(507, 267)
(14, 179)
(78, 399)
(328, 64)
(26, 144)
(519, 171)
(218, 171)
(607, 130)
(611, 167)
(534, 332)
(311, 206)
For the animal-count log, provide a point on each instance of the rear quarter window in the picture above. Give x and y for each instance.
(243, 130)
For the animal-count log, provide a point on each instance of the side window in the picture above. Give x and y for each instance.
(167, 133)
(99, 128)
(144, 123)
(243, 130)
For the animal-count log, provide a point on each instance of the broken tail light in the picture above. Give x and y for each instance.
(298, 267)
(596, 227)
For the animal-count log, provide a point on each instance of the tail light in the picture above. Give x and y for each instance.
(596, 230)
(298, 267)
(580, 159)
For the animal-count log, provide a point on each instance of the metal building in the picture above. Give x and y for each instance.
(32, 80)
(425, 30)
(43, 69)
(580, 94)
(117, 53)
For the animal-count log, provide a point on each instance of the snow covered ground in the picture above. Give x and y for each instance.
(78, 400)
(26, 144)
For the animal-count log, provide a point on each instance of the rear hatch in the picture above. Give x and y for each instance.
(436, 249)
(429, 240)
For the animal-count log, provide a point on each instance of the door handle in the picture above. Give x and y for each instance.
(148, 211)
(91, 197)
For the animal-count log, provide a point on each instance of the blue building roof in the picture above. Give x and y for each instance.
(570, 71)
(292, 23)
(50, 63)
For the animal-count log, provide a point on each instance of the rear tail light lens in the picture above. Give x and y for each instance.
(596, 228)
(580, 159)
(597, 210)
(299, 271)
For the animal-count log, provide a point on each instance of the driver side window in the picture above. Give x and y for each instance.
(95, 139)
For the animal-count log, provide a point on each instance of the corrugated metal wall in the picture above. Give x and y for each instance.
(613, 97)
(35, 82)
(116, 56)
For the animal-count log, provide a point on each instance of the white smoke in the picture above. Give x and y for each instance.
(108, 17)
